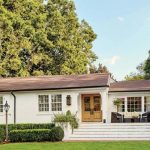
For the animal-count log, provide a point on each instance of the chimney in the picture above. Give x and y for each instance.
(88, 69)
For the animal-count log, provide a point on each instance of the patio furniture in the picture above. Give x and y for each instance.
(146, 117)
(116, 117)
(131, 117)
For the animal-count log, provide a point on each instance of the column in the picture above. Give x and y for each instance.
(105, 112)
(142, 104)
(126, 103)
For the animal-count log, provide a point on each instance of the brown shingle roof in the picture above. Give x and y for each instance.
(54, 82)
(130, 86)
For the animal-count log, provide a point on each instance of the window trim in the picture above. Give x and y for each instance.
(1, 112)
(124, 99)
(146, 103)
(54, 94)
(48, 104)
(134, 103)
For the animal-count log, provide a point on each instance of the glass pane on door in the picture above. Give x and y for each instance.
(87, 104)
(96, 103)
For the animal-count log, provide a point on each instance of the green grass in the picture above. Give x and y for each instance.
(78, 146)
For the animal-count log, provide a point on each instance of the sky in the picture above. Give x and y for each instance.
(123, 32)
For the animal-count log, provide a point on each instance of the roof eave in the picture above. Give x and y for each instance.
(65, 88)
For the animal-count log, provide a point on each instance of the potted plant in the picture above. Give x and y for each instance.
(117, 102)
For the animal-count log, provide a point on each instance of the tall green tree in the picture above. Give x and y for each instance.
(143, 71)
(139, 75)
(147, 68)
(100, 69)
(38, 39)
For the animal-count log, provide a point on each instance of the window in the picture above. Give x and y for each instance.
(56, 102)
(43, 103)
(1, 104)
(122, 105)
(147, 103)
(134, 104)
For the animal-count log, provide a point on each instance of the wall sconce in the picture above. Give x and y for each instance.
(68, 100)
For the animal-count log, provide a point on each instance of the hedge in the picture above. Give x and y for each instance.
(36, 135)
(23, 127)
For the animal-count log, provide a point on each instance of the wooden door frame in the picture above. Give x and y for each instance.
(82, 98)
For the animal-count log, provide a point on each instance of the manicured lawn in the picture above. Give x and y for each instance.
(78, 146)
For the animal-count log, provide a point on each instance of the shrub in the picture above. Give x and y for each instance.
(64, 118)
(31, 126)
(2, 133)
(23, 127)
(37, 135)
(57, 134)
(30, 135)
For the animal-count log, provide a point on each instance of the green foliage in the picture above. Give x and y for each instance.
(117, 102)
(23, 127)
(30, 135)
(37, 135)
(100, 69)
(38, 39)
(31, 126)
(57, 134)
(143, 71)
(147, 68)
(68, 117)
(2, 134)
(139, 75)
(134, 76)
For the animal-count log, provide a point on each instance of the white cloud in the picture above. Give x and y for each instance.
(113, 60)
(121, 19)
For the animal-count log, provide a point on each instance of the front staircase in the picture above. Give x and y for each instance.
(122, 131)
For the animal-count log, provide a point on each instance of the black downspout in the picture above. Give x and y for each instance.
(14, 106)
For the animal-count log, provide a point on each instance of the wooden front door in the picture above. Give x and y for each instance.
(91, 108)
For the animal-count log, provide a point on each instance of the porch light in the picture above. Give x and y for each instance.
(68, 100)
(6, 108)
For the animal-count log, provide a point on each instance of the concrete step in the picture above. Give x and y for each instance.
(112, 129)
(109, 139)
(113, 133)
(113, 125)
(97, 131)
(111, 136)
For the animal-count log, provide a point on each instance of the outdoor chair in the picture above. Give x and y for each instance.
(146, 117)
(116, 117)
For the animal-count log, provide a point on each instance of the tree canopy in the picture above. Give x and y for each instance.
(100, 69)
(143, 71)
(147, 68)
(39, 39)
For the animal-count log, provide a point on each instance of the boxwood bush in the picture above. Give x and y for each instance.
(30, 135)
(36, 135)
(57, 134)
(23, 127)
(2, 134)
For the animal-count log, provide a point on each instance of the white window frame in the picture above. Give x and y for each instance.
(134, 103)
(44, 104)
(120, 107)
(146, 103)
(2, 104)
(57, 103)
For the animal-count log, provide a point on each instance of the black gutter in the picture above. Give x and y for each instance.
(14, 106)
